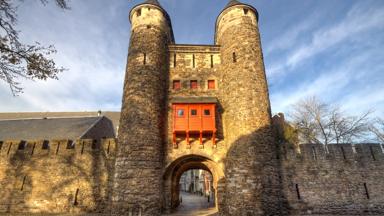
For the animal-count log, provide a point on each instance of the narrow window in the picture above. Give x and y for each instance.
(314, 153)
(174, 59)
(139, 12)
(45, 145)
(176, 85)
(193, 60)
(70, 144)
(180, 113)
(207, 112)
(211, 84)
(211, 61)
(193, 112)
(234, 57)
(109, 145)
(145, 59)
(1, 145)
(193, 84)
(372, 153)
(75, 202)
(245, 11)
(58, 148)
(22, 184)
(366, 190)
(33, 148)
(82, 147)
(9, 148)
(22, 145)
(298, 192)
(343, 152)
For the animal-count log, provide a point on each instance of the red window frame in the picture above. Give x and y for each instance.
(211, 84)
(194, 84)
(176, 85)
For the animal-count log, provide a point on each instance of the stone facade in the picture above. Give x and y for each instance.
(252, 173)
(56, 178)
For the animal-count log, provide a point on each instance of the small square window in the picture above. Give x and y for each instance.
(211, 84)
(193, 112)
(176, 84)
(207, 112)
(180, 113)
(193, 84)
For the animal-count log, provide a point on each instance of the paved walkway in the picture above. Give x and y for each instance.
(194, 205)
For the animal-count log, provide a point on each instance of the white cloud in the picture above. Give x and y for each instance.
(360, 19)
(335, 81)
(357, 20)
(93, 48)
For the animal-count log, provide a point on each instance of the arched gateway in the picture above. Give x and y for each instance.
(173, 174)
(195, 106)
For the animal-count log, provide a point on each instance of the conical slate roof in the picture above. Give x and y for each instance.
(153, 2)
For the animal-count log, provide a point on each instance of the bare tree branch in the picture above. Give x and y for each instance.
(18, 60)
(318, 122)
(377, 128)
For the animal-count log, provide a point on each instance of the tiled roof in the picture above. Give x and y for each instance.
(46, 128)
(112, 116)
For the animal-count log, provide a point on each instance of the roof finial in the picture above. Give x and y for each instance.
(232, 3)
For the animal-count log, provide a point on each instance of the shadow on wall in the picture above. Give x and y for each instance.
(253, 170)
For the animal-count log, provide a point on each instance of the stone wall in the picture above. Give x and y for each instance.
(346, 181)
(53, 176)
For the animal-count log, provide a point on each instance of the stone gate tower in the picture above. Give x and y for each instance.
(137, 183)
(195, 107)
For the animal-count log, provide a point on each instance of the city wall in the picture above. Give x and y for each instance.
(343, 180)
(56, 176)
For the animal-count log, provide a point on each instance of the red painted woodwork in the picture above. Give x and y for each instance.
(176, 84)
(192, 119)
(194, 84)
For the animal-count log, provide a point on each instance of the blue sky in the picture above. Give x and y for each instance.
(333, 49)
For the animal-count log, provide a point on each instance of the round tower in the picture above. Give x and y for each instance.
(137, 181)
(251, 165)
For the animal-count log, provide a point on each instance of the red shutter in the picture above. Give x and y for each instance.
(211, 84)
(176, 84)
(193, 84)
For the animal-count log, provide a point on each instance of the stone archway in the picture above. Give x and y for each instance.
(173, 174)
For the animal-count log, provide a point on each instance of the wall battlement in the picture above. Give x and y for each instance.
(318, 152)
(29, 148)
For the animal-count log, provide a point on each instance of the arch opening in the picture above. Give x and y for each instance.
(192, 185)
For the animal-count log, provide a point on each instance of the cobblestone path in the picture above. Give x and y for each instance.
(194, 205)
